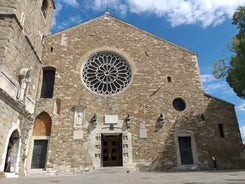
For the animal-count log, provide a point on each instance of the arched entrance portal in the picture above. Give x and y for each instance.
(41, 134)
(12, 152)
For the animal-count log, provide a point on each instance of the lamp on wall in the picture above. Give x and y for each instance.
(203, 117)
(127, 120)
(94, 120)
(161, 118)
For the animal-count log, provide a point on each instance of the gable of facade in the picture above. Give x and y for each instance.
(108, 111)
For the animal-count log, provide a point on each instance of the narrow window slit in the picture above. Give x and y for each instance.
(221, 130)
(169, 79)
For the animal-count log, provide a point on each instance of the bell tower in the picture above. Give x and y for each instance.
(23, 24)
(29, 20)
(35, 17)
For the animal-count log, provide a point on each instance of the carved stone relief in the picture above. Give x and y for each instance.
(25, 80)
(79, 116)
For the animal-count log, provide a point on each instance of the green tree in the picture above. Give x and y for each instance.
(234, 71)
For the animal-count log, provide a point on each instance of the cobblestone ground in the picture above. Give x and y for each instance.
(212, 177)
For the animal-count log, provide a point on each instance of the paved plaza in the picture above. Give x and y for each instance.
(208, 177)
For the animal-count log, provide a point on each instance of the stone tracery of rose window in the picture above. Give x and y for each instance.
(106, 73)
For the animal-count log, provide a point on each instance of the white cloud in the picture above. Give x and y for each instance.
(242, 130)
(212, 87)
(177, 12)
(207, 78)
(73, 20)
(204, 12)
(117, 5)
(58, 8)
(210, 83)
(98, 4)
(241, 107)
(72, 3)
(59, 5)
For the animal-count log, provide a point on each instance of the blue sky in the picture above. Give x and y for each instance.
(202, 26)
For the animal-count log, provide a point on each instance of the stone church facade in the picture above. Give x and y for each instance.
(104, 94)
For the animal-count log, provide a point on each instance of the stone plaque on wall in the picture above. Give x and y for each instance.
(111, 119)
(143, 131)
(78, 134)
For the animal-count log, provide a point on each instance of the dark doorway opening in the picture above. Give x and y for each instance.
(39, 154)
(111, 150)
(185, 150)
(12, 152)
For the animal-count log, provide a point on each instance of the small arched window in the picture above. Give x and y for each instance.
(48, 82)
(44, 7)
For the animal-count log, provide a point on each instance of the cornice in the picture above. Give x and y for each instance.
(16, 105)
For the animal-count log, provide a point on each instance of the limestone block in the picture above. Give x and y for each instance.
(8, 84)
(143, 131)
(78, 134)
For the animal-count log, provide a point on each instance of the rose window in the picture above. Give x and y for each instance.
(106, 73)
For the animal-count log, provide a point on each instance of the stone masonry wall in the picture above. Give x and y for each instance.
(8, 7)
(22, 29)
(28, 13)
(18, 54)
(149, 95)
(11, 120)
(35, 25)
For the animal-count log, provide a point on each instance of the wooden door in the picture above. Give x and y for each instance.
(112, 150)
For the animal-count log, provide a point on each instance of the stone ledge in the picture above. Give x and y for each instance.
(2, 175)
(16, 105)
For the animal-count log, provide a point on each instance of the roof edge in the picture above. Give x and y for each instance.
(74, 26)
(210, 96)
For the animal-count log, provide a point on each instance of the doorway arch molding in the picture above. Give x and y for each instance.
(4, 155)
(185, 133)
(41, 132)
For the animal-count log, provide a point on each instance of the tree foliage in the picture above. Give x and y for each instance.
(234, 71)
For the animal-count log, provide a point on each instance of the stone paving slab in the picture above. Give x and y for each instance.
(211, 177)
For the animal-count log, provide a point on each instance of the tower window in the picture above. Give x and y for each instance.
(48, 83)
(44, 8)
(221, 130)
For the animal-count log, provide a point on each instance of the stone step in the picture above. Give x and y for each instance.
(10, 175)
(38, 172)
(114, 170)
